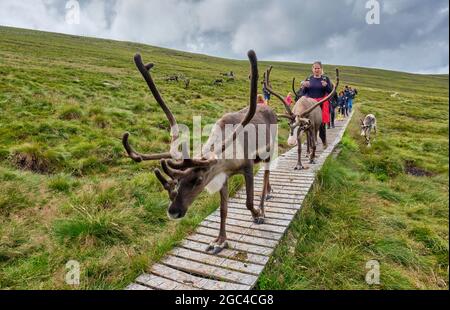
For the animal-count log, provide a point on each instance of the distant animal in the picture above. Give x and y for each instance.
(369, 123)
(218, 82)
(172, 78)
(228, 74)
(186, 83)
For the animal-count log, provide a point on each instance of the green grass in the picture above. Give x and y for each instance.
(68, 190)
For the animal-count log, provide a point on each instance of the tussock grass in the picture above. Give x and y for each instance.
(71, 113)
(35, 157)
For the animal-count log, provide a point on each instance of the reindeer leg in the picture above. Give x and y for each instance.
(308, 151)
(221, 242)
(249, 188)
(299, 165)
(313, 147)
(323, 135)
(264, 195)
(266, 184)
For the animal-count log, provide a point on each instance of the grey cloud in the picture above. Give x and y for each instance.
(412, 34)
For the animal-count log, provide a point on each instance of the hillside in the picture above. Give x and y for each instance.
(69, 192)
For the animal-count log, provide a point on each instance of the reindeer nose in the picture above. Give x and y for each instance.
(174, 216)
(292, 141)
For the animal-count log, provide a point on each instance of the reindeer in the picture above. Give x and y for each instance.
(369, 123)
(186, 83)
(303, 118)
(228, 74)
(218, 82)
(172, 78)
(188, 177)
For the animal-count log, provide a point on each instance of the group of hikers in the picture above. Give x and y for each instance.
(318, 86)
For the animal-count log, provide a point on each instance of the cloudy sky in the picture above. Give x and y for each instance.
(412, 35)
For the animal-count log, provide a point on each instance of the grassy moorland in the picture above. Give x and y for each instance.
(387, 203)
(67, 190)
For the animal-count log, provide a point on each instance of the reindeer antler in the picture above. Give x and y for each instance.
(252, 105)
(269, 88)
(174, 131)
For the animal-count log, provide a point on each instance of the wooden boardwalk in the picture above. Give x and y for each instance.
(188, 267)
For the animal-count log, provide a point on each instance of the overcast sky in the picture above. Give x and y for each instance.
(412, 35)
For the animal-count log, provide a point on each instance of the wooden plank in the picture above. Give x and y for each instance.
(138, 287)
(280, 185)
(198, 282)
(291, 181)
(276, 201)
(275, 194)
(278, 188)
(230, 253)
(289, 178)
(288, 172)
(276, 198)
(215, 272)
(237, 237)
(234, 245)
(249, 224)
(160, 283)
(291, 172)
(246, 216)
(240, 204)
(269, 214)
(269, 236)
(218, 261)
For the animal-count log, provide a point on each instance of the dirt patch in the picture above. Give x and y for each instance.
(31, 162)
(412, 169)
(240, 256)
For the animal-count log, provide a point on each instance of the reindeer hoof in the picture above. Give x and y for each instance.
(258, 220)
(215, 247)
(299, 167)
(312, 161)
(269, 197)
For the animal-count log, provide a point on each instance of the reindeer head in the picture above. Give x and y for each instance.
(364, 127)
(300, 122)
(187, 177)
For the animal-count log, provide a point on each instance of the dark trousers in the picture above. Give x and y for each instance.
(323, 133)
(332, 115)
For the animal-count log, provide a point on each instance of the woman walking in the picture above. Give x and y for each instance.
(317, 87)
